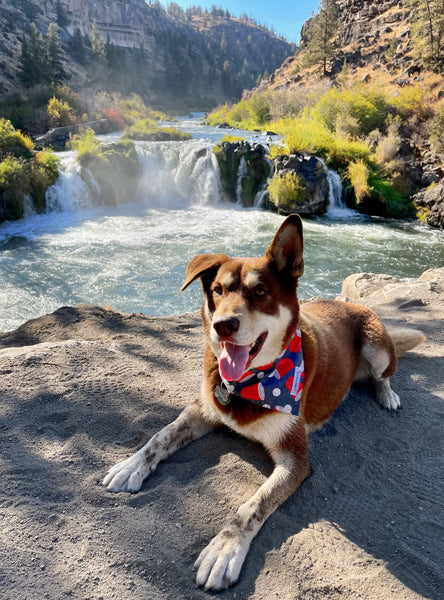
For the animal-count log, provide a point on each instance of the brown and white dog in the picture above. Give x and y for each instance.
(251, 316)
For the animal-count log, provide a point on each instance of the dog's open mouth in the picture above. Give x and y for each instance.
(235, 359)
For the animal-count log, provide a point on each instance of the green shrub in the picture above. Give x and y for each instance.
(305, 134)
(14, 142)
(148, 130)
(230, 139)
(369, 109)
(86, 145)
(59, 113)
(219, 116)
(358, 173)
(14, 184)
(259, 108)
(411, 102)
(437, 129)
(286, 190)
(129, 110)
(49, 165)
(23, 172)
(387, 201)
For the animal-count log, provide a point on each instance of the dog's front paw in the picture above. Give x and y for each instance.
(219, 564)
(128, 475)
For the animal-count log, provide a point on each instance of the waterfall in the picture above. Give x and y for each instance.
(70, 192)
(259, 200)
(28, 207)
(174, 174)
(336, 204)
(242, 173)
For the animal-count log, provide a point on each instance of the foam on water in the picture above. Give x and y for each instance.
(133, 256)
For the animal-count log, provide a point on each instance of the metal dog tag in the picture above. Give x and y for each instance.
(222, 395)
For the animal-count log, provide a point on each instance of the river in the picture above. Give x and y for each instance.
(132, 257)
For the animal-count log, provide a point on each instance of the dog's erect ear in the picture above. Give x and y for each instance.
(287, 247)
(201, 266)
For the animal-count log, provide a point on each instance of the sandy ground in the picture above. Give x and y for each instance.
(85, 387)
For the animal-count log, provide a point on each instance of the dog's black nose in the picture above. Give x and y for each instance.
(226, 327)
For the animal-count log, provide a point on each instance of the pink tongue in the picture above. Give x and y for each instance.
(233, 361)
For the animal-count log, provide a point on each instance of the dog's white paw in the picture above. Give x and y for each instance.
(219, 564)
(386, 396)
(128, 475)
(390, 400)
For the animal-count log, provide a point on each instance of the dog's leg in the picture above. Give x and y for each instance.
(385, 395)
(128, 476)
(219, 564)
(376, 362)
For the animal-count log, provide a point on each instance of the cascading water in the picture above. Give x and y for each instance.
(242, 173)
(177, 171)
(174, 174)
(70, 191)
(133, 256)
(336, 204)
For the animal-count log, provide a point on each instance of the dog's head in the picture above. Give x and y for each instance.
(251, 309)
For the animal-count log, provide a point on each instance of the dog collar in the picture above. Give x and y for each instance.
(277, 386)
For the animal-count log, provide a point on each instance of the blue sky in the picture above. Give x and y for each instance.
(286, 16)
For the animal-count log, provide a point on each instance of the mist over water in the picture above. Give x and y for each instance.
(133, 256)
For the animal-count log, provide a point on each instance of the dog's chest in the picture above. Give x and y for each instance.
(264, 426)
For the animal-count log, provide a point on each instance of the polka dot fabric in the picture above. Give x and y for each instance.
(276, 386)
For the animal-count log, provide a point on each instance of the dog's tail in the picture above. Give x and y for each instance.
(405, 339)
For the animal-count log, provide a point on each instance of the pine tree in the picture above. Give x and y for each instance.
(56, 72)
(33, 62)
(25, 71)
(78, 47)
(97, 47)
(428, 20)
(321, 47)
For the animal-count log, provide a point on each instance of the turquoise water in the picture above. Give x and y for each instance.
(133, 256)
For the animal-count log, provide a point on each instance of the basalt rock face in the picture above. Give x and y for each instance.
(244, 170)
(361, 18)
(245, 173)
(369, 30)
(178, 63)
(312, 174)
(430, 202)
(376, 33)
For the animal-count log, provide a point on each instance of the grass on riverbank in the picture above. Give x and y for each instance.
(148, 130)
(25, 174)
(359, 125)
(115, 167)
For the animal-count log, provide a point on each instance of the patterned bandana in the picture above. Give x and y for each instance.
(276, 386)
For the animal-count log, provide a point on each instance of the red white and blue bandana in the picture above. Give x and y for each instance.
(277, 386)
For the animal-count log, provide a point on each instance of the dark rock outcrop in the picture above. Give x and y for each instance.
(430, 203)
(58, 137)
(313, 176)
(244, 170)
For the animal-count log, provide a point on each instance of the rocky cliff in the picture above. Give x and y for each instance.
(170, 62)
(374, 41)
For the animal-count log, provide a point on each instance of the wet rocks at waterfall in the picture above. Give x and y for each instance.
(245, 173)
(168, 174)
(244, 170)
(313, 176)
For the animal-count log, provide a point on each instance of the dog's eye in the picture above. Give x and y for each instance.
(260, 291)
(218, 290)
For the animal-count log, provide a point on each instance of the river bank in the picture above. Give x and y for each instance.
(95, 384)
